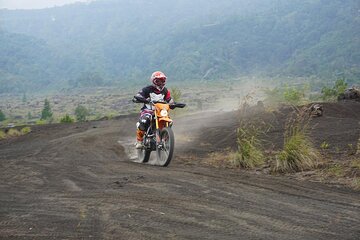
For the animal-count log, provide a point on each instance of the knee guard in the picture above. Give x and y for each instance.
(144, 123)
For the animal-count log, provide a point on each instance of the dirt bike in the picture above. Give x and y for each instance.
(159, 136)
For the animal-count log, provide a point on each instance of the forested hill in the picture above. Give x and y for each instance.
(114, 42)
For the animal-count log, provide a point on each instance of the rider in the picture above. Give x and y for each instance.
(154, 92)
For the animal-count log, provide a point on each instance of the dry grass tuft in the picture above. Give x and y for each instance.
(249, 154)
(25, 130)
(355, 163)
(14, 132)
(221, 159)
(249, 134)
(2, 135)
(335, 170)
(356, 183)
(298, 153)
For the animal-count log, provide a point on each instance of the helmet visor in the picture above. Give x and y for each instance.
(160, 82)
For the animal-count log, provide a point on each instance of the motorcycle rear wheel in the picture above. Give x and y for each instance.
(165, 148)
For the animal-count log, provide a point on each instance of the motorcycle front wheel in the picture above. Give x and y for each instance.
(143, 155)
(165, 146)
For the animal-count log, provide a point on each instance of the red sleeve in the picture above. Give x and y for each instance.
(168, 96)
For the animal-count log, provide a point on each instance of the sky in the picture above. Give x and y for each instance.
(35, 4)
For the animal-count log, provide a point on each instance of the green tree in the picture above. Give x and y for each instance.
(330, 93)
(67, 119)
(24, 98)
(81, 113)
(293, 95)
(46, 112)
(340, 86)
(2, 116)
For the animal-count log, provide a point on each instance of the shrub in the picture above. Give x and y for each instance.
(40, 122)
(335, 170)
(2, 116)
(331, 93)
(2, 135)
(340, 86)
(81, 113)
(13, 132)
(25, 130)
(109, 116)
(67, 119)
(273, 96)
(328, 94)
(298, 153)
(249, 153)
(355, 164)
(356, 183)
(293, 95)
(324, 145)
(221, 159)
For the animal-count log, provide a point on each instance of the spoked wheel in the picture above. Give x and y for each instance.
(165, 147)
(143, 154)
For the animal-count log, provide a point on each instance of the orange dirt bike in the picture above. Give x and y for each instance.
(159, 136)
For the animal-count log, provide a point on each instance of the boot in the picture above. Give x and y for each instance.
(139, 139)
(139, 145)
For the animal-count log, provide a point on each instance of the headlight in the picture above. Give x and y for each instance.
(164, 113)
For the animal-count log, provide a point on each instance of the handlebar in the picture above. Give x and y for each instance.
(177, 105)
(138, 99)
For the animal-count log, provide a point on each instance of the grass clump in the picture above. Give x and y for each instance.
(40, 122)
(2, 135)
(66, 119)
(249, 153)
(14, 132)
(355, 164)
(221, 159)
(293, 95)
(356, 183)
(25, 130)
(324, 145)
(335, 170)
(286, 95)
(298, 153)
(331, 93)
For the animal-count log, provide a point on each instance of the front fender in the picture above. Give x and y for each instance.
(164, 119)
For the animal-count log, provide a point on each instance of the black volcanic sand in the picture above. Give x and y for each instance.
(77, 182)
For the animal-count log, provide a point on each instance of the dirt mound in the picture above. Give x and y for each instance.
(350, 94)
(338, 126)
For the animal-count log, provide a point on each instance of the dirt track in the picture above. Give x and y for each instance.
(77, 182)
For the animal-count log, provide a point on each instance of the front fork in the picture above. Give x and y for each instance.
(159, 142)
(154, 134)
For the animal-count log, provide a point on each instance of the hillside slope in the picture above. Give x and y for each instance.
(122, 40)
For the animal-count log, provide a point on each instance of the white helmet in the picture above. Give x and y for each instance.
(158, 79)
